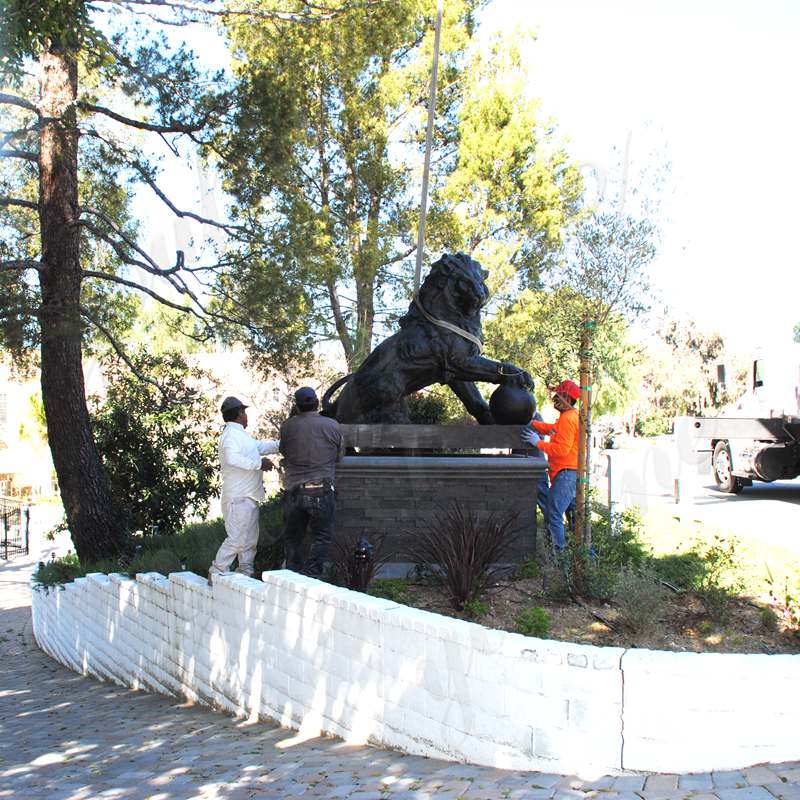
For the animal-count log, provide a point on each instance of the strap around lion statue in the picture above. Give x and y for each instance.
(442, 323)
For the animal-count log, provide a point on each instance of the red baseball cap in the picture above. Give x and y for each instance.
(568, 388)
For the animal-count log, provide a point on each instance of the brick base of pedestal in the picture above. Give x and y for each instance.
(399, 495)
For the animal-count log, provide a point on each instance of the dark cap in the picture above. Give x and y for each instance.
(306, 397)
(231, 404)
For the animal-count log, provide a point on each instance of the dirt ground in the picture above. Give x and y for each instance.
(681, 623)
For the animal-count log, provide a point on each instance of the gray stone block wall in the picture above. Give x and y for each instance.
(398, 495)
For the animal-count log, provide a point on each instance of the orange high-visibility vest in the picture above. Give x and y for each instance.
(562, 449)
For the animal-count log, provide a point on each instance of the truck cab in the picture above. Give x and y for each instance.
(756, 437)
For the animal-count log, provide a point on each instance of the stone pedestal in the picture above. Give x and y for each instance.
(397, 495)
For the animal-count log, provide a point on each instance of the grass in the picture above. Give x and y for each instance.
(192, 550)
(671, 542)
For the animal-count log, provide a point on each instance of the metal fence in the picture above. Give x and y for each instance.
(14, 528)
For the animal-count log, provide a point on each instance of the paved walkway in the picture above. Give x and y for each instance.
(65, 736)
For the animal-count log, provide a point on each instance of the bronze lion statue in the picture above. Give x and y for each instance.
(439, 341)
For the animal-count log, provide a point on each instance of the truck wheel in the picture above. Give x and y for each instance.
(726, 481)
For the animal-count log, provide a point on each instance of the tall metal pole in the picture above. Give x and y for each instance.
(423, 209)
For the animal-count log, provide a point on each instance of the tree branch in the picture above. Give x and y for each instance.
(154, 268)
(16, 201)
(21, 102)
(24, 154)
(148, 179)
(174, 127)
(196, 11)
(118, 349)
(107, 276)
(19, 264)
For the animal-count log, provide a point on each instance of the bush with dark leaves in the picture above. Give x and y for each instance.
(463, 551)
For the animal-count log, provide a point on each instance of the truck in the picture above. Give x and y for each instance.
(757, 437)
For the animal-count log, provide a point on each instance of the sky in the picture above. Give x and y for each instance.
(707, 87)
(711, 89)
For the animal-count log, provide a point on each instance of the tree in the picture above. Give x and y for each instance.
(606, 269)
(160, 456)
(512, 189)
(537, 331)
(324, 154)
(796, 333)
(679, 373)
(68, 247)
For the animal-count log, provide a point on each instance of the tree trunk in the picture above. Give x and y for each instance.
(365, 319)
(93, 521)
(583, 529)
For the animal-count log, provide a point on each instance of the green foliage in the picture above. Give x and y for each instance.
(475, 609)
(192, 549)
(528, 568)
(618, 541)
(616, 546)
(653, 424)
(426, 408)
(533, 621)
(639, 597)
(537, 331)
(720, 581)
(796, 333)
(59, 570)
(164, 561)
(159, 452)
(323, 153)
(682, 570)
(395, 589)
(27, 28)
(513, 188)
(768, 619)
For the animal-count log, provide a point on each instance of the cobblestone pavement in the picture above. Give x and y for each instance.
(65, 736)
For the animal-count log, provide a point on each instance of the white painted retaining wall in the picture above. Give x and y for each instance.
(323, 659)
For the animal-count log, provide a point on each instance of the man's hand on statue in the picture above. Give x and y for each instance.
(529, 436)
(266, 465)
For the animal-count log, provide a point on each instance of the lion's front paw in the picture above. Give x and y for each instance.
(484, 416)
(514, 376)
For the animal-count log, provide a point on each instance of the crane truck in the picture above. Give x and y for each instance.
(757, 438)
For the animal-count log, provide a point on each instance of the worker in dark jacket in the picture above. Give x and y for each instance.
(311, 445)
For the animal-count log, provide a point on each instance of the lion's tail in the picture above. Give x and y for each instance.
(328, 407)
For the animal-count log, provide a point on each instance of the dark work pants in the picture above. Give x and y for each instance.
(313, 510)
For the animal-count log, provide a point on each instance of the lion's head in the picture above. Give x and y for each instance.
(454, 289)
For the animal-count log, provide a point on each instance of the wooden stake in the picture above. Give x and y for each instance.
(583, 530)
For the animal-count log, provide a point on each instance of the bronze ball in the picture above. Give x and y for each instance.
(511, 405)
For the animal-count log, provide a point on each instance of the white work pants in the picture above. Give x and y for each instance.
(241, 528)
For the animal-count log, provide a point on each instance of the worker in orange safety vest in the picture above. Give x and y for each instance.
(561, 452)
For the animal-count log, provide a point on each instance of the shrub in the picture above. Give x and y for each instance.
(463, 551)
(395, 589)
(426, 408)
(475, 609)
(58, 571)
(616, 546)
(159, 453)
(529, 568)
(533, 621)
(768, 619)
(720, 580)
(639, 597)
(164, 561)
